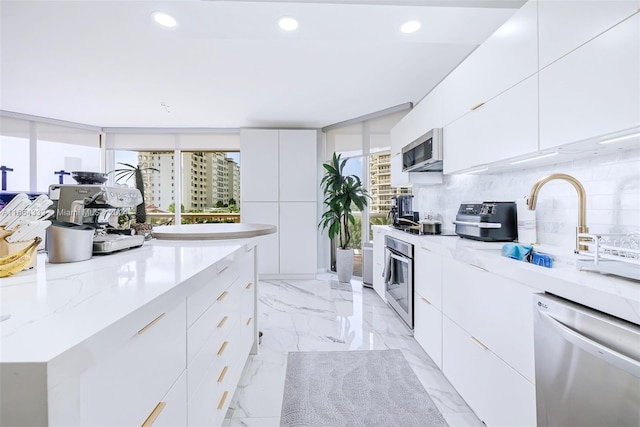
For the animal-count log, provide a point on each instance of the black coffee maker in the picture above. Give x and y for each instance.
(401, 213)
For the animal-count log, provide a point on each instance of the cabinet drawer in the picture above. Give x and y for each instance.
(133, 379)
(496, 393)
(171, 411)
(223, 275)
(428, 275)
(495, 310)
(428, 328)
(248, 326)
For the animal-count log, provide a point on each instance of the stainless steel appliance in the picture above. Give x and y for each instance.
(587, 366)
(488, 221)
(399, 278)
(424, 154)
(99, 206)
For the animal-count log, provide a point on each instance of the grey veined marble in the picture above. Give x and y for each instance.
(324, 315)
(371, 388)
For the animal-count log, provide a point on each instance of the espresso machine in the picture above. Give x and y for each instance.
(401, 213)
(99, 206)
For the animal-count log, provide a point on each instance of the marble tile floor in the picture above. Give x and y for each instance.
(325, 315)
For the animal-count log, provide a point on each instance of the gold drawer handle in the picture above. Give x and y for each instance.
(479, 344)
(223, 269)
(154, 414)
(249, 285)
(475, 107)
(223, 373)
(150, 324)
(222, 347)
(250, 249)
(224, 397)
(249, 320)
(222, 322)
(222, 296)
(426, 300)
(478, 268)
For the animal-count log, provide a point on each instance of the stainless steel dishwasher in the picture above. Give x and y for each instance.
(587, 366)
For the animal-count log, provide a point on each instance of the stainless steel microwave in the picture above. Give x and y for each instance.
(424, 154)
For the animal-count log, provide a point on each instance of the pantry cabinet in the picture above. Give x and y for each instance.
(504, 127)
(506, 58)
(279, 186)
(566, 25)
(594, 90)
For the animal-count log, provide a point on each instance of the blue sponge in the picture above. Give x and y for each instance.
(516, 250)
(544, 260)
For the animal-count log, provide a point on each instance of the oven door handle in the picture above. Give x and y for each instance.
(399, 257)
(479, 224)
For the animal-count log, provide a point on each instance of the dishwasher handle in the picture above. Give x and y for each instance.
(613, 357)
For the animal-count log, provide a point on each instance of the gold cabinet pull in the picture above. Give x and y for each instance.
(249, 320)
(222, 374)
(250, 249)
(222, 322)
(150, 324)
(478, 268)
(222, 270)
(475, 107)
(426, 300)
(224, 397)
(479, 343)
(222, 347)
(249, 285)
(154, 414)
(222, 296)
(425, 249)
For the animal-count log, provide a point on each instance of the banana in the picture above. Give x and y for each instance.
(17, 261)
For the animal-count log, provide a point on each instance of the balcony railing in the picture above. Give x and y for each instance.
(193, 218)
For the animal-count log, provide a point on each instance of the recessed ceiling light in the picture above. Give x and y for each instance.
(164, 19)
(287, 23)
(410, 27)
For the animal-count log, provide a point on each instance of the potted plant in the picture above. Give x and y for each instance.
(342, 193)
(131, 171)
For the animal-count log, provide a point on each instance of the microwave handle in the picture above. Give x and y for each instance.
(479, 224)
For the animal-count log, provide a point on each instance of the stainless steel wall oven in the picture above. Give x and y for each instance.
(399, 278)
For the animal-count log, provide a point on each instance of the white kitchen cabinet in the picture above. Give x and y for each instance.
(298, 237)
(495, 310)
(506, 58)
(498, 394)
(269, 245)
(594, 90)
(505, 127)
(427, 327)
(134, 366)
(378, 261)
(171, 411)
(565, 25)
(260, 160)
(428, 275)
(292, 179)
(297, 160)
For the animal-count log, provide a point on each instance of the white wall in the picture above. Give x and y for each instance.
(612, 184)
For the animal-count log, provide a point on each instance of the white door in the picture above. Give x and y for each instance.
(298, 238)
(259, 178)
(269, 245)
(298, 165)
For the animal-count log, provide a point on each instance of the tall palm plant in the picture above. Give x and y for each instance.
(341, 194)
(131, 171)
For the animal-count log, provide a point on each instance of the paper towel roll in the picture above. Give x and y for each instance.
(526, 223)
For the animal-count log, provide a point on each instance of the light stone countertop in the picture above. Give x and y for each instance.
(54, 307)
(610, 294)
(212, 231)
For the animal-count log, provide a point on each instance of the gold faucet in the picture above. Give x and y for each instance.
(582, 203)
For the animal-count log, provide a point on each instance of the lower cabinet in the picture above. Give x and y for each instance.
(427, 329)
(378, 261)
(498, 394)
(172, 410)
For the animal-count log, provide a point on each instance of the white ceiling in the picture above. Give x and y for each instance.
(227, 64)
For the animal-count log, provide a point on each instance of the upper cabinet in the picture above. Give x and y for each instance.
(259, 180)
(566, 25)
(297, 157)
(594, 90)
(506, 58)
(505, 127)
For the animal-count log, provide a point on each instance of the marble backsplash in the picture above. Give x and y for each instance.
(612, 184)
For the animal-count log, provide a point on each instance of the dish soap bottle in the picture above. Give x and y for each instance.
(526, 222)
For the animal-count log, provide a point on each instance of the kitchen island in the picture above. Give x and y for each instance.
(212, 231)
(159, 332)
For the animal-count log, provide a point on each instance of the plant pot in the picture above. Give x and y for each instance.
(344, 264)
